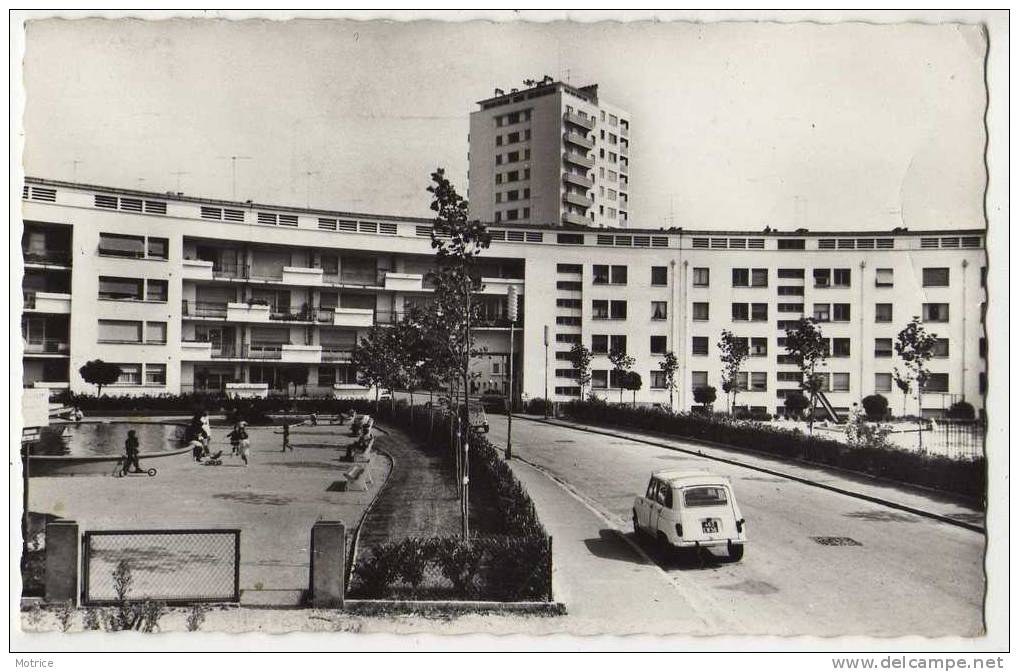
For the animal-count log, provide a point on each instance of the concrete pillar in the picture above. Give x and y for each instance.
(328, 559)
(62, 544)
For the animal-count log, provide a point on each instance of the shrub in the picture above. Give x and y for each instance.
(704, 395)
(538, 406)
(962, 410)
(876, 407)
(966, 477)
(795, 404)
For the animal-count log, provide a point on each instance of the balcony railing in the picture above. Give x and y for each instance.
(227, 270)
(573, 218)
(578, 159)
(204, 309)
(363, 278)
(54, 257)
(579, 180)
(579, 140)
(583, 122)
(47, 346)
(579, 200)
(262, 351)
(332, 354)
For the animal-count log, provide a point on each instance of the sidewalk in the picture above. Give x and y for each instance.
(920, 500)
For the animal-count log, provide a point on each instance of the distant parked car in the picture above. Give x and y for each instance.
(684, 509)
(479, 420)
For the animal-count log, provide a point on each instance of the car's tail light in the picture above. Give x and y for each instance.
(739, 524)
(679, 530)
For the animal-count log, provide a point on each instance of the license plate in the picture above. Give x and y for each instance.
(709, 526)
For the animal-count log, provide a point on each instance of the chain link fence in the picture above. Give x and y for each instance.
(174, 566)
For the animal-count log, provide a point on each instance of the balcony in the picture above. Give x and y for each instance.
(584, 122)
(353, 317)
(332, 353)
(573, 218)
(624, 131)
(579, 200)
(197, 269)
(297, 275)
(48, 302)
(58, 347)
(229, 271)
(404, 282)
(47, 258)
(248, 312)
(262, 351)
(579, 180)
(578, 160)
(500, 286)
(247, 390)
(578, 140)
(362, 278)
(624, 150)
(204, 309)
(195, 351)
(308, 354)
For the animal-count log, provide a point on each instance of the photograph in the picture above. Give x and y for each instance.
(501, 323)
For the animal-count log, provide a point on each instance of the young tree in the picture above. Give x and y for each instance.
(294, 375)
(580, 358)
(632, 381)
(621, 363)
(704, 395)
(97, 372)
(733, 352)
(373, 359)
(670, 365)
(457, 243)
(805, 343)
(795, 404)
(904, 385)
(915, 347)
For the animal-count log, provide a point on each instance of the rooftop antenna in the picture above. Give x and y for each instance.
(178, 173)
(74, 169)
(233, 172)
(307, 183)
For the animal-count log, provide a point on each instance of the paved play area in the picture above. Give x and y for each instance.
(274, 501)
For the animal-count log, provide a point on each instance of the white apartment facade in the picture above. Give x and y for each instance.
(549, 154)
(194, 294)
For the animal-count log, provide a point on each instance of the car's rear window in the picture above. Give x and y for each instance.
(704, 496)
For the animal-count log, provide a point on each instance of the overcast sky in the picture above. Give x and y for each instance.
(736, 125)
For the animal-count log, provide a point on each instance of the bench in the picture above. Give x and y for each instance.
(359, 473)
(366, 452)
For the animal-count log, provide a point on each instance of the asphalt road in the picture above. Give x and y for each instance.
(907, 575)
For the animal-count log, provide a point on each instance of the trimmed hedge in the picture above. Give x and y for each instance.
(965, 477)
(508, 556)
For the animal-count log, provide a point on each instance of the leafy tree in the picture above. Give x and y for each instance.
(734, 352)
(808, 348)
(294, 375)
(621, 363)
(962, 410)
(374, 359)
(795, 404)
(580, 358)
(915, 347)
(97, 372)
(632, 381)
(905, 386)
(704, 395)
(875, 406)
(670, 365)
(457, 243)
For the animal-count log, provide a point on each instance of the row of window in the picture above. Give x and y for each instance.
(513, 157)
(513, 214)
(513, 195)
(513, 176)
(514, 137)
(834, 347)
(139, 374)
(133, 247)
(132, 331)
(513, 118)
(132, 289)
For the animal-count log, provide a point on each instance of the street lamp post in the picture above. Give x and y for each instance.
(545, 404)
(511, 313)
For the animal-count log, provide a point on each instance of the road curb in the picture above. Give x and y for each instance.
(771, 472)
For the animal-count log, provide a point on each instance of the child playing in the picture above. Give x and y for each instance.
(245, 443)
(286, 437)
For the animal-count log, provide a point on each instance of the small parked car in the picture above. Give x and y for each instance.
(686, 509)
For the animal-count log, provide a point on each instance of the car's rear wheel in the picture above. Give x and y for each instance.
(735, 552)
